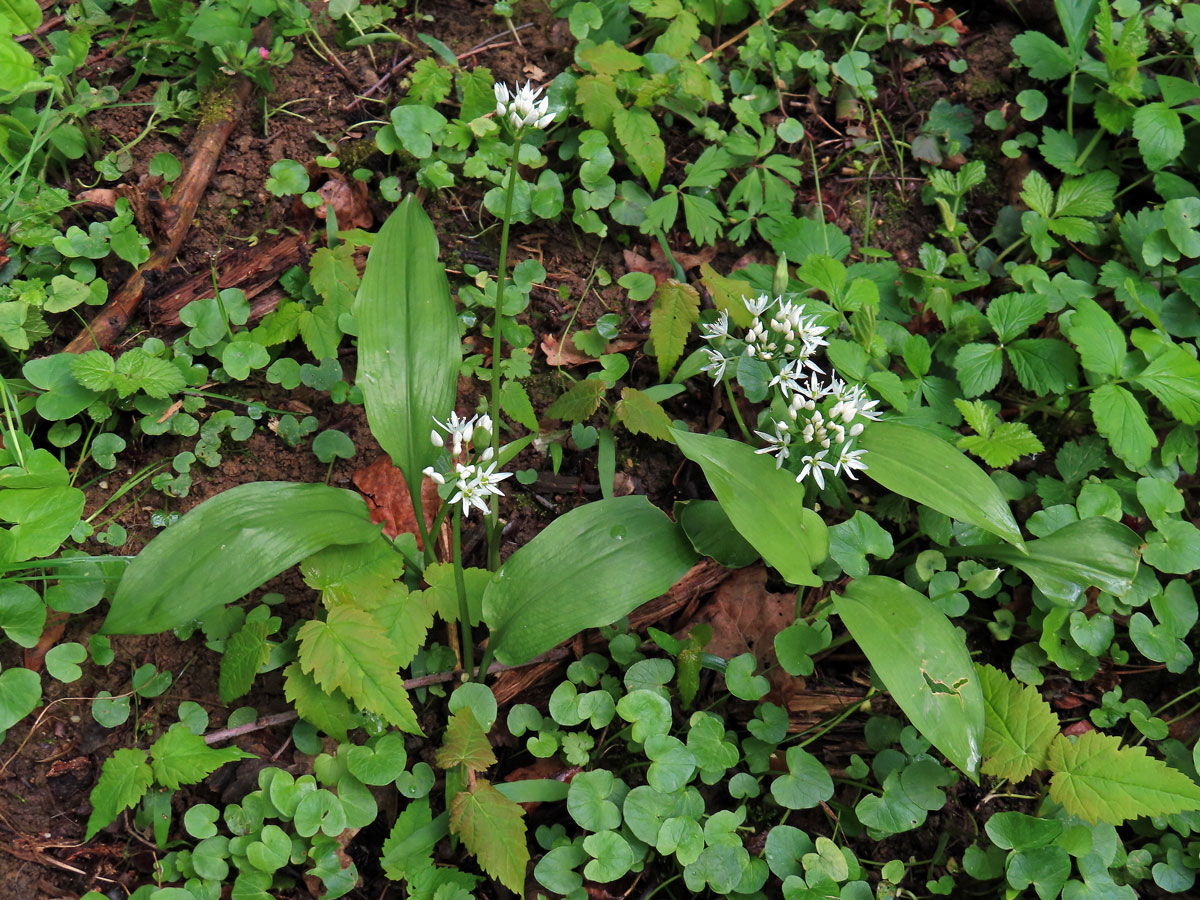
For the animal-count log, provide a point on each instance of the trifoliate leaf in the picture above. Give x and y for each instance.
(580, 401)
(1121, 419)
(1098, 780)
(1018, 726)
(997, 443)
(676, 308)
(181, 757)
(329, 711)
(465, 744)
(493, 828)
(349, 651)
(124, 778)
(138, 370)
(641, 415)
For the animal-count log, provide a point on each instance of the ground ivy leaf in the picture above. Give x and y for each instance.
(852, 540)
(1018, 726)
(348, 651)
(465, 744)
(806, 784)
(1121, 419)
(124, 777)
(493, 828)
(1098, 780)
(676, 308)
(180, 757)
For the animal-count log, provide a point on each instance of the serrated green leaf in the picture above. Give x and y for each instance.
(1159, 133)
(124, 778)
(1172, 375)
(1121, 419)
(244, 653)
(349, 652)
(465, 744)
(1098, 780)
(329, 711)
(359, 574)
(979, 368)
(579, 402)
(641, 415)
(1101, 344)
(638, 133)
(181, 757)
(596, 96)
(1045, 59)
(1037, 194)
(1018, 726)
(1043, 365)
(676, 309)
(492, 827)
(514, 401)
(1011, 314)
(1088, 197)
(94, 370)
(410, 844)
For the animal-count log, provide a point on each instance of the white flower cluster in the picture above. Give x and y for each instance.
(475, 481)
(812, 420)
(521, 107)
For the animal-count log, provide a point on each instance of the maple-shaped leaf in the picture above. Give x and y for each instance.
(642, 415)
(350, 652)
(405, 618)
(493, 828)
(676, 309)
(579, 402)
(329, 711)
(181, 757)
(353, 574)
(465, 743)
(1018, 726)
(124, 777)
(1098, 780)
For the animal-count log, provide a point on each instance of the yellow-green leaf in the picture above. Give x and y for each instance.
(1098, 780)
(641, 415)
(465, 744)
(676, 309)
(728, 294)
(329, 711)
(124, 777)
(1018, 726)
(579, 402)
(493, 828)
(638, 133)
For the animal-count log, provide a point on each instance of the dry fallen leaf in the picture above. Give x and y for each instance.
(564, 353)
(383, 487)
(687, 261)
(349, 202)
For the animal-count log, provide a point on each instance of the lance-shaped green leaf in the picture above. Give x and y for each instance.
(922, 660)
(1092, 552)
(587, 569)
(408, 345)
(922, 467)
(229, 545)
(765, 504)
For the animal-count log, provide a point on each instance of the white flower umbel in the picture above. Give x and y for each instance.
(814, 420)
(460, 432)
(523, 107)
(475, 486)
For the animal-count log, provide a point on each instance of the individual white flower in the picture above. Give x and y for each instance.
(717, 329)
(788, 380)
(850, 461)
(758, 305)
(778, 444)
(475, 485)
(522, 107)
(716, 363)
(458, 430)
(433, 474)
(814, 464)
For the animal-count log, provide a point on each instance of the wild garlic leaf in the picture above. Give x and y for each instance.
(1018, 726)
(124, 778)
(1098, 780)
(180, 757)
(493, 828)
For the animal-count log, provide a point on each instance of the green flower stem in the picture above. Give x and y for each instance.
(737, 413)
(419, 514)
(464, 612)
(493, 520)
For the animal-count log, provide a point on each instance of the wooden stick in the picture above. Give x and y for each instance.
(741, 34)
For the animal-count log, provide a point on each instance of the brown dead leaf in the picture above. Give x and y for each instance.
(383, 487)
(1078, 728)
(56, 624)
(349, 202)
(535, 73)
(941, 15)
(688, 261)
(565, 353)
(660, 269)
(745, 618)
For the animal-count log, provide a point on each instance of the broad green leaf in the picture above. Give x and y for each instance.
(228, 546)
(1092, 552)
(408, 346)
(180, 757)
(22, 613)
(349, 652)
(1098, 780)
(20, 693)
(712, 534)
(585, 570)
(979, 368)
(245, 651)
(917, 465)
(1159, 133)
(329, 711)
(1076, 18)
(492, 827)
(765, 504)
(641, 415)
(23, 16)
(1018, 726)
(923, 661)
(1046, 60)
(676, 308)
(1089, 196)
(124, 777)
(638, 133)
(1172, 375)
(1101, 344)
(852, 540)
(580, 401)
(1043, 365)
(1121, 419)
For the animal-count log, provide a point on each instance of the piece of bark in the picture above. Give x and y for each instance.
(177, 214)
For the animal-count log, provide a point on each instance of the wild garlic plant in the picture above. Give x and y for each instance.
(518, 111)
(814, 420)
(473, 485)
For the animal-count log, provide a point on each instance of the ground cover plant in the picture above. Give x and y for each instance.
(599, 449)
